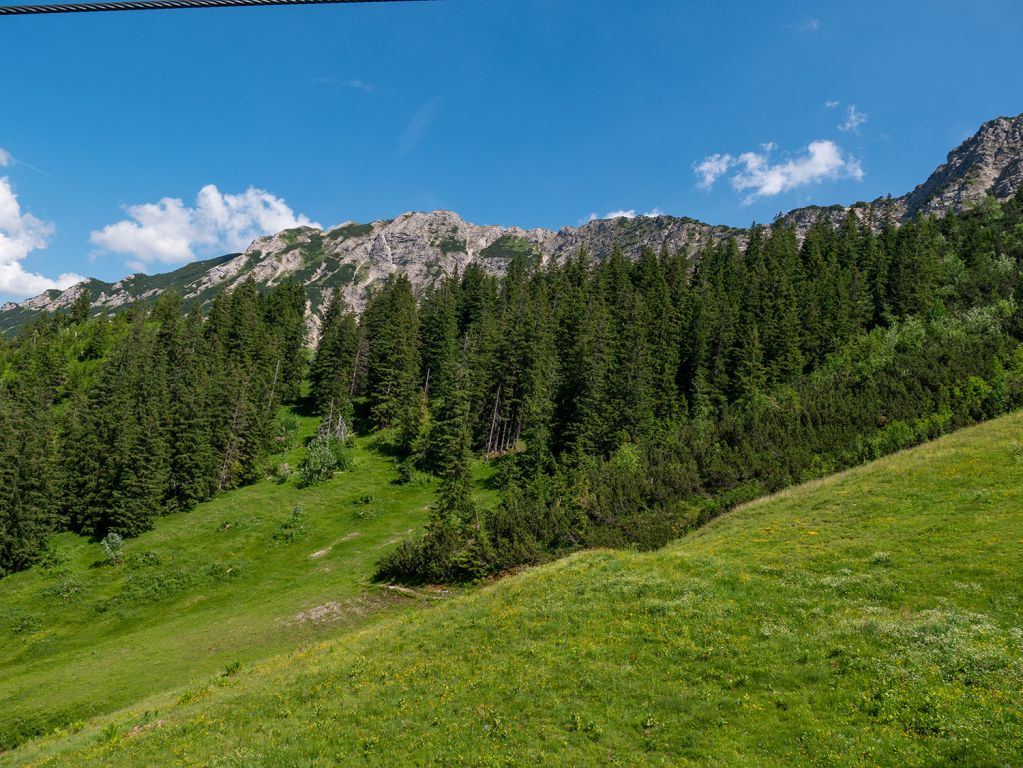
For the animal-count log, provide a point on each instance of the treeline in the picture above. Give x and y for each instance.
(629, 401)
(109, 422)
(622, 401)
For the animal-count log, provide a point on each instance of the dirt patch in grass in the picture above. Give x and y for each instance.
(143, 728)
(338, 611)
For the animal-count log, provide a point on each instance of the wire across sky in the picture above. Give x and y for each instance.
(164, 5)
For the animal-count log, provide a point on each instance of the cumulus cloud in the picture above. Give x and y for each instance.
(170, 232)
(830, 103)
(822, 160)
(20, 234)
(853, 119)
(624, 214)
(756, 174)
(712, 168)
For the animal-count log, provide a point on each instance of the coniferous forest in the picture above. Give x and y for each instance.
(111, 422)
(623, 402)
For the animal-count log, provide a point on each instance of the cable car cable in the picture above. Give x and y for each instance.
(163, 5)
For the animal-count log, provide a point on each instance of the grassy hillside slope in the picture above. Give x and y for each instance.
(873, 618)
(235, 580)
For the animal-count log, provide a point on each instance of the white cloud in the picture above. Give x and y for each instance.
(359, 85)
(355, 84)
(830, 103)
(756, 173)
(812, 25)
(170, 232)
(20, 234)
(7, 159)
(853, 119)
(418, 126)
(711, 168)
(624, 214)
(823, 160)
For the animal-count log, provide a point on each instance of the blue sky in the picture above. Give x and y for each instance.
(535, 113)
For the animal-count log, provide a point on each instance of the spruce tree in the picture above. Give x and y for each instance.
(191, 466)
(332, 372)
(391, 322)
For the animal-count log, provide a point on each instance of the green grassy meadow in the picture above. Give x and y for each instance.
(873, 618)
(231, 582)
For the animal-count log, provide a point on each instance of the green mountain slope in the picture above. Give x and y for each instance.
(129, 290)
(872, 618)
(237, 579)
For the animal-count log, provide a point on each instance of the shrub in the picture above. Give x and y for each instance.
(113, 546)
(324, 456)
(286, 431)
(151, 585)
(51, 558)
(291, 529)
(22, 622)
(343, 455)
(449, 551)
(66, 586)
(318, 465)
(408, 474)
(144, 559)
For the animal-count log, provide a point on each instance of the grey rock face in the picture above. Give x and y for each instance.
(989, 162)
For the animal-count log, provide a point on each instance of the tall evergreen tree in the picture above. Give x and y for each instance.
(332, 372)
(391, 322)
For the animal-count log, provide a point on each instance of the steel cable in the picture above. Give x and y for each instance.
(163, 5)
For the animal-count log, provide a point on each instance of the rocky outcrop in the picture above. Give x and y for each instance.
(354, 257)
(988, 163)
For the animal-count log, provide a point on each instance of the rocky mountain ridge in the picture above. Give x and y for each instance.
(353, 257)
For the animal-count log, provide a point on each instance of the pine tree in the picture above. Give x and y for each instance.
(126, 415)
(391, 323)
(456, 533)
(442, 363)
(438, 338)
(332, 372)
(539, 384)
(80, 308)
(27, 477)
(285, 318)
(192, 462)
(750, 373)
(1017, 318)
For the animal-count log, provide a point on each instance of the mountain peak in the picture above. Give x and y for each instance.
(989, 162)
